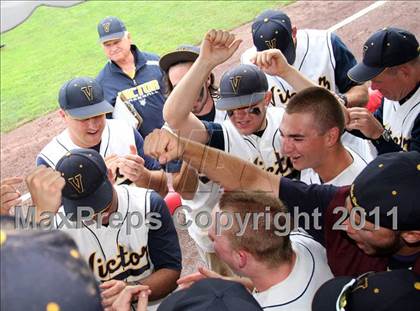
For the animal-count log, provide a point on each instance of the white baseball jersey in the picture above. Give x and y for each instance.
(262, 151)
(116, 253)
(346, 177)
(400, 118)
(117, 137)
(220, 116)
(308, 274)
(314, 58)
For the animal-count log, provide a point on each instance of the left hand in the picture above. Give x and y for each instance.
(363, 120)
(123, 301)
(110, 291)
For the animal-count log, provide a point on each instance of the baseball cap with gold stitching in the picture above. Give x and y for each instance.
(387, 47)
(111, 28)
(87, 183)
(83, 98)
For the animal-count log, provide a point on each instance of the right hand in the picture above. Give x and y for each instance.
(163, 145)
(10, 196)
(271, 61)
(45, 185)
(203, 273)
(218, 46)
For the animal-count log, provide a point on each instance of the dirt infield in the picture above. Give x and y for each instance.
(20, 147)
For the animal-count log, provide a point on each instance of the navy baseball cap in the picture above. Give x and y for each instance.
(390, 180)
(87, 183)
(211, 295)
(43, 270)
(83, 98)
(385, 48)
(183, 53)
(242, 86)
(391, 290)
(111, 28)
(273, 30)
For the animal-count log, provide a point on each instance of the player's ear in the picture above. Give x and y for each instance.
(294, 32)
(62, 113)
(411, 237)
(267, 98)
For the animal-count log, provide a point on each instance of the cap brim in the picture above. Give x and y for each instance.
(98, 201)
(168, 304)
(290, 52)
(114, 36)
(168, 60)
(235, 102)
(325, 298)
(90, 111)
(362, 73)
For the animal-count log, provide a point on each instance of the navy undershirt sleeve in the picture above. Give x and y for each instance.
(41, 161)
(163, 242)
(215, 132)
(344, 61)
(149, 162)
(301, 199)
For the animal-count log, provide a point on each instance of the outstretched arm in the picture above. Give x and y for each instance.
(231, 172)
(217, 47)
(274, 63)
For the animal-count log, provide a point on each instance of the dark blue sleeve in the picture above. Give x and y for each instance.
(215, 132)
(302, 199)
(379, 112)
(344, 60)
(149, 162)
(41, 161)
(163, 242)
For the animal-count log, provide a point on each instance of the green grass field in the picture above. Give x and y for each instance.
(55, 44)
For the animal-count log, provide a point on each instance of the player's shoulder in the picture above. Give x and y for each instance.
(52, 149)
(300, 236)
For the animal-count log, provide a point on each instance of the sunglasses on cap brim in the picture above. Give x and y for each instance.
(252, 110)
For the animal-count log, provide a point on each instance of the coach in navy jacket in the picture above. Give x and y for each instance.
(130, 73)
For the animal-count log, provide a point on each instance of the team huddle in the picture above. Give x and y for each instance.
(309, 191)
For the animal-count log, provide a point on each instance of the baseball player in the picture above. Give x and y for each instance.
(371, 225)
(119, 239)
(311, 129)
(320, 55)
(83, 109)
(251, 131)
(131, 74)
(391, 62)
(285, 268)
(175, 65)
